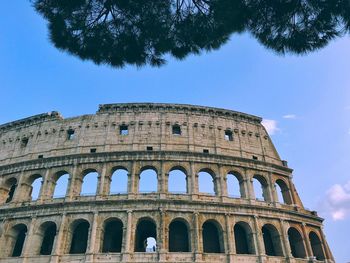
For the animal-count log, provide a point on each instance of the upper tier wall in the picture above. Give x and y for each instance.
(149, 125)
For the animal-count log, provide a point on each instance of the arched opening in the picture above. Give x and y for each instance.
(206, 183)
(177, 181)
(235, 186)
(80, 234)
(146, 236)
(36, 187)
(89, 184)
(316, 246)
(10, 185)
(296, 243)
(260, 187)
(178, 236)
(119, 182)
(243, 238)
(283, 192)
(112, 236)
(272, 241)
(18, 236)
(49, 230)
(212, 237)
(61, 185)
(148, 181)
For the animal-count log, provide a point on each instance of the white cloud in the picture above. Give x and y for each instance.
(337, 201)
(290, 116)
(270, 126)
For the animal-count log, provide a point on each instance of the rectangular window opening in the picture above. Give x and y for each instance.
(24, 142)
(149, 148)
(70, 134)
(123, 130)
(228, 135)
(205, 151)
(92, 150)
(176, 130)
(40, 156)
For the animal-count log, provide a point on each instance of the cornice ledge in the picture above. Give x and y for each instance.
(107, 156)
(195, 109)
(39, 118)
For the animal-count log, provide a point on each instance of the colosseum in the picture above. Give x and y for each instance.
(170, 183)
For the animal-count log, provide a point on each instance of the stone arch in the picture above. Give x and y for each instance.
(207, 182)
(212, 237)
(60, 184)
(9, 189)
(296, 243)
(112, 235)
(177, 180)
(47, 232)
(235, 185)
(283, 192)
(16, 239)
(146, 228)
(272, 240)
(148, 180)
(244, 239)
(119, 181)
(80, 234)
(31, 187)
(316, 246)
(261, 188)
(89, 184)
(179, 236)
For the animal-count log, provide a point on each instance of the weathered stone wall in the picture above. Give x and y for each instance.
(149, 125)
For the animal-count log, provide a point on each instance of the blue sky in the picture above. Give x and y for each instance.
(305, 98)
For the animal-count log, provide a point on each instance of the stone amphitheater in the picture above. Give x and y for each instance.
(237, 201)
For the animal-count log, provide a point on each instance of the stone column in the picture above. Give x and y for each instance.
(162, 237)
(285, 241)
(162, 182)
(128, 244)
(259, 239)
(197, 249)
(194, 182)
(292, 191)
(223, 183)
(101, 183)
(91, 249)
(271, 189)
(133, 183)
(275, 195)
(189, 182)
(251, 194)
(28, 244)
(93, 233)
(230, 239)
(3, 193)
(19, 193)
(217, 185)
(72, 191)
(59, 244)
(306, 240)
(45, 185)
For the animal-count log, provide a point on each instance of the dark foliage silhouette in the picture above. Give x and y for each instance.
(139, 32)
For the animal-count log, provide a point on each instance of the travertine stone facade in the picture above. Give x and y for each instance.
(188, 227)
